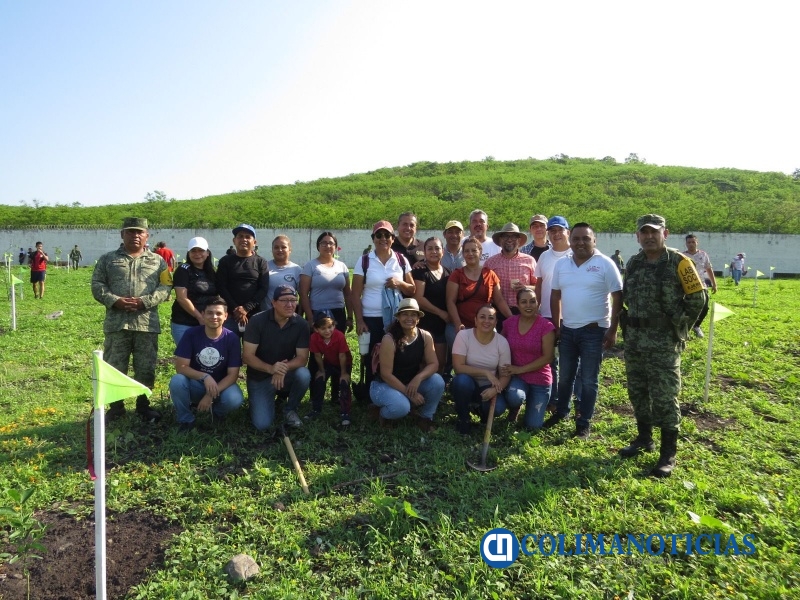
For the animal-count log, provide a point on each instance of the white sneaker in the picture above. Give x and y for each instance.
(698, 332)
(292, 419)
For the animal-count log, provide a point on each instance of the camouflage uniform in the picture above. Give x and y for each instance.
(663, 299)
(127, 334)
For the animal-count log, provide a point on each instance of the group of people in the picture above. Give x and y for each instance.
(484, 314)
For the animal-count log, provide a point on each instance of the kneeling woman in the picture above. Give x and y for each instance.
(532, 341)
(408, 375)
(478, 355)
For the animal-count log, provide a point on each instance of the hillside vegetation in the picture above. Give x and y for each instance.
(605, 193)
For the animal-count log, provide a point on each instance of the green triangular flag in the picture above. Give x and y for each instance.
(759, 273)
(113, 385)
(15, 280)
(720, 312)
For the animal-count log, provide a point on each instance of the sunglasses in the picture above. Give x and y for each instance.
(382, 235)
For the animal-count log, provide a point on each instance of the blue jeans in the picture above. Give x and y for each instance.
(583, 345)
(396, 405)
(177, 331)
(535, 397)
(737, 275)
(262, 396)
(466, 392)
(186, 392)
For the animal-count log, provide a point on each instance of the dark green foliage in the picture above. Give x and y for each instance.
(608, 194)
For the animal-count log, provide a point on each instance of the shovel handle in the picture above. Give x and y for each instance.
(488, 433)
(287, 442)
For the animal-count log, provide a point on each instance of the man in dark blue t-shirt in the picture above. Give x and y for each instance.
(207, 361)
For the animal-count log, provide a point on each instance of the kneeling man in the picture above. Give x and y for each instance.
(207, 361)
(276, 353)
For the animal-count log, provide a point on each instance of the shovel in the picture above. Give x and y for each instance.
(482, 466)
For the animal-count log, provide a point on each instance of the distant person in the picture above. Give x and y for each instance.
(194, 282)
(325, 285)
(282, 271)
(663, 298)
(243, 279)
(230, 251)
(38, 262)
(539, 242)
(207, 362)
(619, 261)
(478, 227)
(276, 344)
(367, 250)
(452, 255)
(706, 272)
(167, 254)
(737, 267)
(30, 254)
(75, 256)
(22, 256)
(406, 243)
(131, 282)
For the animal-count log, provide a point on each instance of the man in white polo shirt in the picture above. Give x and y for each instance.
(586, 322)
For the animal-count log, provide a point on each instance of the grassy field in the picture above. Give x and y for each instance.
(395, 513)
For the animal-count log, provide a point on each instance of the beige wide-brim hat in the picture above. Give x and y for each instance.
(510, 228)
(409, 305)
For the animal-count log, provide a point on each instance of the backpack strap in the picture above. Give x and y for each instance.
(400, 259)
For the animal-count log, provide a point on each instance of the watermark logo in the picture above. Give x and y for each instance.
(499, 548)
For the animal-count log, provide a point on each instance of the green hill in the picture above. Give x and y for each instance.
(605, 193)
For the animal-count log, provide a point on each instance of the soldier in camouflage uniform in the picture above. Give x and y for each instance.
(663, 297)
(131, 282)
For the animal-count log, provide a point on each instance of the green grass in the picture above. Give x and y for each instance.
(412, 528)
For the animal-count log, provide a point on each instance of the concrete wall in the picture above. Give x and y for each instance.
(763, 250)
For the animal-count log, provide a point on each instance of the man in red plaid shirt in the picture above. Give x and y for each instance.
(514, 268)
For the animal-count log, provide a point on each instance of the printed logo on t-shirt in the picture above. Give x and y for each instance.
(592, 269)
(209, 357)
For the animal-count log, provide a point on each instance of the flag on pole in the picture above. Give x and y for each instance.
(726, 265)
(759, 273)
(772, 268)
(721, 312)
(113, 385)
(15, 280)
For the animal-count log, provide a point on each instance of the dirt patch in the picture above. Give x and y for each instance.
(136, 543)
(726, 383)
(626, 410)
(704, 420)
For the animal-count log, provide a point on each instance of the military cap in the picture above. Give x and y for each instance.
(134, 223)
(654, 221)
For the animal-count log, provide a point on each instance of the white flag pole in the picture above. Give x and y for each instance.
(99, 490)
(708, 352)
(13, 305)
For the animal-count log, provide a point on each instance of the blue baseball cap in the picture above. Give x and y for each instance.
(284, 290)
(244, 227)
(557, 222)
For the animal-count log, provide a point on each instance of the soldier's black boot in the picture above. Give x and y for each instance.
(666, 459)
(115, 411)
(642, 442)
(150, 415)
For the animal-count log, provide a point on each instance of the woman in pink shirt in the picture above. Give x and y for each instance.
(532, 341)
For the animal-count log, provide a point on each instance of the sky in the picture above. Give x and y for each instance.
(105, 102)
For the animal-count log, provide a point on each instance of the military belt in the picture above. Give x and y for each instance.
(649, 323)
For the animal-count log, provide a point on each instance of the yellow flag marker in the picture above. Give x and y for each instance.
(721, 312)
(113, 385)
(759, 273)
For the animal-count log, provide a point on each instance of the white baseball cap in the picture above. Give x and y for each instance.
(197, 242)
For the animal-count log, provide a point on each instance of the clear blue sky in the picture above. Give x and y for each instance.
(103, 102)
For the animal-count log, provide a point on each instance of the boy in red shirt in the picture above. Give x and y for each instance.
(331, 359)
